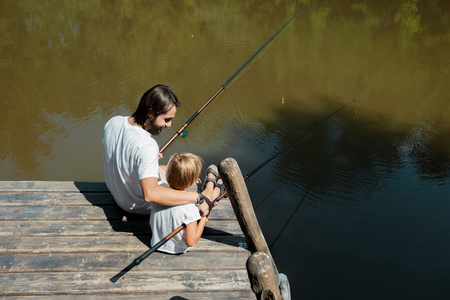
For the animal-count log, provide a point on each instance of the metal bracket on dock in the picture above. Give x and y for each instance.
(243, 245)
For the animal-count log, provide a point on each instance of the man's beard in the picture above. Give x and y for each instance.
(151, 127)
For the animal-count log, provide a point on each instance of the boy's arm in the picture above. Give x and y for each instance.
(194, 231)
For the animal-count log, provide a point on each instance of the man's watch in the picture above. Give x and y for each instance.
(200, 199)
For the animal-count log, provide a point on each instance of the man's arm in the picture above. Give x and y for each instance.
(154, 193)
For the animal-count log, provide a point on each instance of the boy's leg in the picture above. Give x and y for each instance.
(216, 191)
(209, 188)
(210, 182)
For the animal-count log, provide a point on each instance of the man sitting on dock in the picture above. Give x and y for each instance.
(130, 155)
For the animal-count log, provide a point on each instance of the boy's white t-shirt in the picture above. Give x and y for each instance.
(165, 219)
(129, 155)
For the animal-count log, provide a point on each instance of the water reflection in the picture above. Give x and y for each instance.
(353, 157)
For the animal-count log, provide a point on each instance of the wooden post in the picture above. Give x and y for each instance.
(262, 276)
(262, 270)
(242, 205)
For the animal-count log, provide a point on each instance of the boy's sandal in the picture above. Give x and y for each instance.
(209, 204)
(209, 180)
(212, 171)
(221, 186)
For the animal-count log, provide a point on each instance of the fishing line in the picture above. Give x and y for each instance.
(287, 147)
(293, 213)
(267, 197)
(249, 66)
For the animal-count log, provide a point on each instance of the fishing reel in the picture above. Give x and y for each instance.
(184, 133)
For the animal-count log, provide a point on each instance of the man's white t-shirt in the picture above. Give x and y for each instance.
(129, 155)
(165, 219)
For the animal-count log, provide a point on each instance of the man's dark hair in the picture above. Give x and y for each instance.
(158, 100)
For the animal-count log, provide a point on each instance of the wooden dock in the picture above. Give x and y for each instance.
(70, 238)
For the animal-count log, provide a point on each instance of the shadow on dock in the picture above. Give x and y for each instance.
(120, 220)
(138, 225)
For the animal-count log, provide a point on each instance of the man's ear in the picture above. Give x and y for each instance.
(150, 114)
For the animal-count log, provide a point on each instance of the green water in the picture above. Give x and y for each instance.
(358, 209)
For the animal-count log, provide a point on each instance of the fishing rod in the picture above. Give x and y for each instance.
(183, 131)
(139, 259)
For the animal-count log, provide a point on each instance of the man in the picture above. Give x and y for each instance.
(130, 155)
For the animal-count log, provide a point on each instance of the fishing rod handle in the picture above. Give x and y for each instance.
(164, 240)
(219, 198)
(138, 260)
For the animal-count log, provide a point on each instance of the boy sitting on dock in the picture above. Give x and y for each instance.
(182, 171)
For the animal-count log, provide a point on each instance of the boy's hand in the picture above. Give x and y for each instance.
(204, 209)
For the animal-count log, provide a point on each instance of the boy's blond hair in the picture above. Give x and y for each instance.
(183, 169)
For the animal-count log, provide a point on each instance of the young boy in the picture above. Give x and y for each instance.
(183, 171)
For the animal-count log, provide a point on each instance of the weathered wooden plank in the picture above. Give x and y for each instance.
(101, 228)
(91, 283)
(106, 244)
(67, 213)
(84, 213)
(72, 228)
(55, 199)
(52, 186)
(77, 262)
(199, 295)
